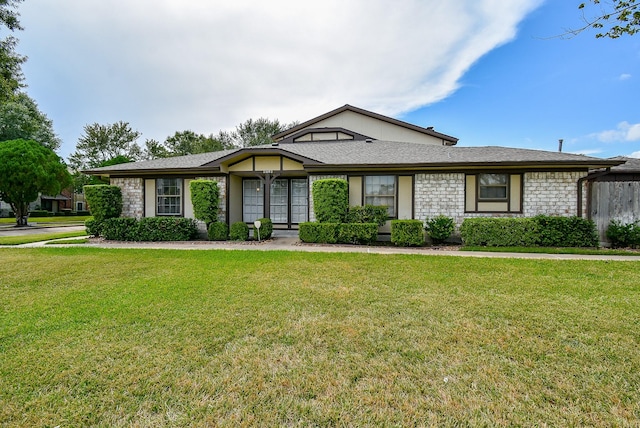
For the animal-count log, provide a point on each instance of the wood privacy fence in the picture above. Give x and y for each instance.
(614, 200)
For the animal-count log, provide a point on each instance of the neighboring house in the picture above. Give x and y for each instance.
(614, 194)
(416, 172)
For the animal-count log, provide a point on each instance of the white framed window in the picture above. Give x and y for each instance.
(493, 187)
(279, 200)
(252, 200)
(169, 196)
(380, 190)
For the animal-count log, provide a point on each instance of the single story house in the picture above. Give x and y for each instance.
(416, 172)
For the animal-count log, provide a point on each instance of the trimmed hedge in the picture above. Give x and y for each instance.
(368, 214)
(406, 233)
(318, 233)
(330, 200)
(205, 197)
(266, 229)
(218, 231)
(93, 226)
(624, 235)
(499, 232)
(439, 228)
(40, 213)
(104, 201)
(239, 231)
(357, 233)
(545, 231)
(149, 229)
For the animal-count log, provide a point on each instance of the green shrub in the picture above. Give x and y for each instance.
(368, 214)
(330, 200)
(239, 231)
(82, 213)
(320, 233)
(218, 231)
(40, 213)
(93, 226)
(104, 201)
(357, 233)
(624, 235)
(555, 231)
(499, 232)
(205, 197)
(149, 229)
(266, 229)
(439, 228)
(406, 233)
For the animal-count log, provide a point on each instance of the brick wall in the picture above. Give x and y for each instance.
(551, 193)
(222, 188)
(312, 178)
(437, 194)
(132, 196)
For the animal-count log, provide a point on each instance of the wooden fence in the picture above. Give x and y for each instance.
(614, 200)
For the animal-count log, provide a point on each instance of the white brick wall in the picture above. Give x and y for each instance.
(551, 193)
(132, 196)
(312, 178)
(437, 194)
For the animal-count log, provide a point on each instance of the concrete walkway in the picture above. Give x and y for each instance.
(288, 243)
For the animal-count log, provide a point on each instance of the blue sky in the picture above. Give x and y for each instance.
(480, 70)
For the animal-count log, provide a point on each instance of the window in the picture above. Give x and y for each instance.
(299, 200)
(493, 187)
(252, 200)
(279, 201)
(169, 196)
(380, 190)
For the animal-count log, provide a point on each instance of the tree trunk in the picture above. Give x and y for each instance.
(21, 211)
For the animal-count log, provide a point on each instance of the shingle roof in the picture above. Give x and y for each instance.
(631, 165)
(342, 154)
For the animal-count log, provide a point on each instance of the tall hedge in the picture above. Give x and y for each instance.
(104, 201)
(205, 197)
(330, 200)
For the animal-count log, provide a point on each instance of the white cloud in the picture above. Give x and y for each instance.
(206, 65)
(625, 132)
(624, 76)
(635, 155)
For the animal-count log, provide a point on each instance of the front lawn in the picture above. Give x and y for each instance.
(55, 219)
(39, 237)
(97, 337)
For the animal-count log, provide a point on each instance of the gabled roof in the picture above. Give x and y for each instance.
(309, 123)
(360, 155)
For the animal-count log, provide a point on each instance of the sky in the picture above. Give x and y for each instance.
(489, 72)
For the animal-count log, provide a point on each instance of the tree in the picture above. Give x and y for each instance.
(11, 76)
(102, 143)
(258, 132)
(27, 169)
(625, 13)
(20, 118)
(185, 143)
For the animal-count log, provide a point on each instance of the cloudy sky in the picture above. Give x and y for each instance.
(486, 71)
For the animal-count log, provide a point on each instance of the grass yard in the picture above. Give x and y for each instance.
(97, 337)
(39, 237)
(55, 219)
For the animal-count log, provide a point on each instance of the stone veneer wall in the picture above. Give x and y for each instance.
(550, 193)
(312, 178)
(132, 196)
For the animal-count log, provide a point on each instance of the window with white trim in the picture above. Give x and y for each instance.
(380, 190)
(169, 196)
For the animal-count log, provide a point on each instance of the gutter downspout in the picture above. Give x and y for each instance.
(588, 177)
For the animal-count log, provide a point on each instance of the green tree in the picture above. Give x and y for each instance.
(184, 143)
(11, 76)
(102, 143)
(20, 118)
(612, 18)
(258, 132)
(27, 169)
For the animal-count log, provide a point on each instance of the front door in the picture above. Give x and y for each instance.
(288, 200)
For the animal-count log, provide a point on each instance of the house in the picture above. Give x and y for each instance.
(415, 172)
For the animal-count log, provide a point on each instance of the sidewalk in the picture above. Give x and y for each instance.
(292, 243)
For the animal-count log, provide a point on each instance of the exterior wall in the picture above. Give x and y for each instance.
(222, 188)
(132, 196)
(550, 193)
(375, 128)
(614, 200)
(312, 178)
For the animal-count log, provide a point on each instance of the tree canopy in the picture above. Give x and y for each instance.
(258, 132)
(27, 169)
(184, 143)
(102, 143)
(612, 18)
(20, 118)
(11, 77)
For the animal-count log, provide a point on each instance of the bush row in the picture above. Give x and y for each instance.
(536, 231)
(623, 235)
(144, 229)
(343, 233)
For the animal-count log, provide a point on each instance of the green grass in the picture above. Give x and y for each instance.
(106, 337)
(554, 250)
(39, 237)
(57, 219)
(68, 241)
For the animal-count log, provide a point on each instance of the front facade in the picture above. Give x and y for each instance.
(415, 172)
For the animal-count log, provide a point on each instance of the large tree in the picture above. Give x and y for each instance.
(11, 77)
(187, 143)
(612, 18)
(258, 132)
(102, 143)
(20, 118)
(27, 168)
